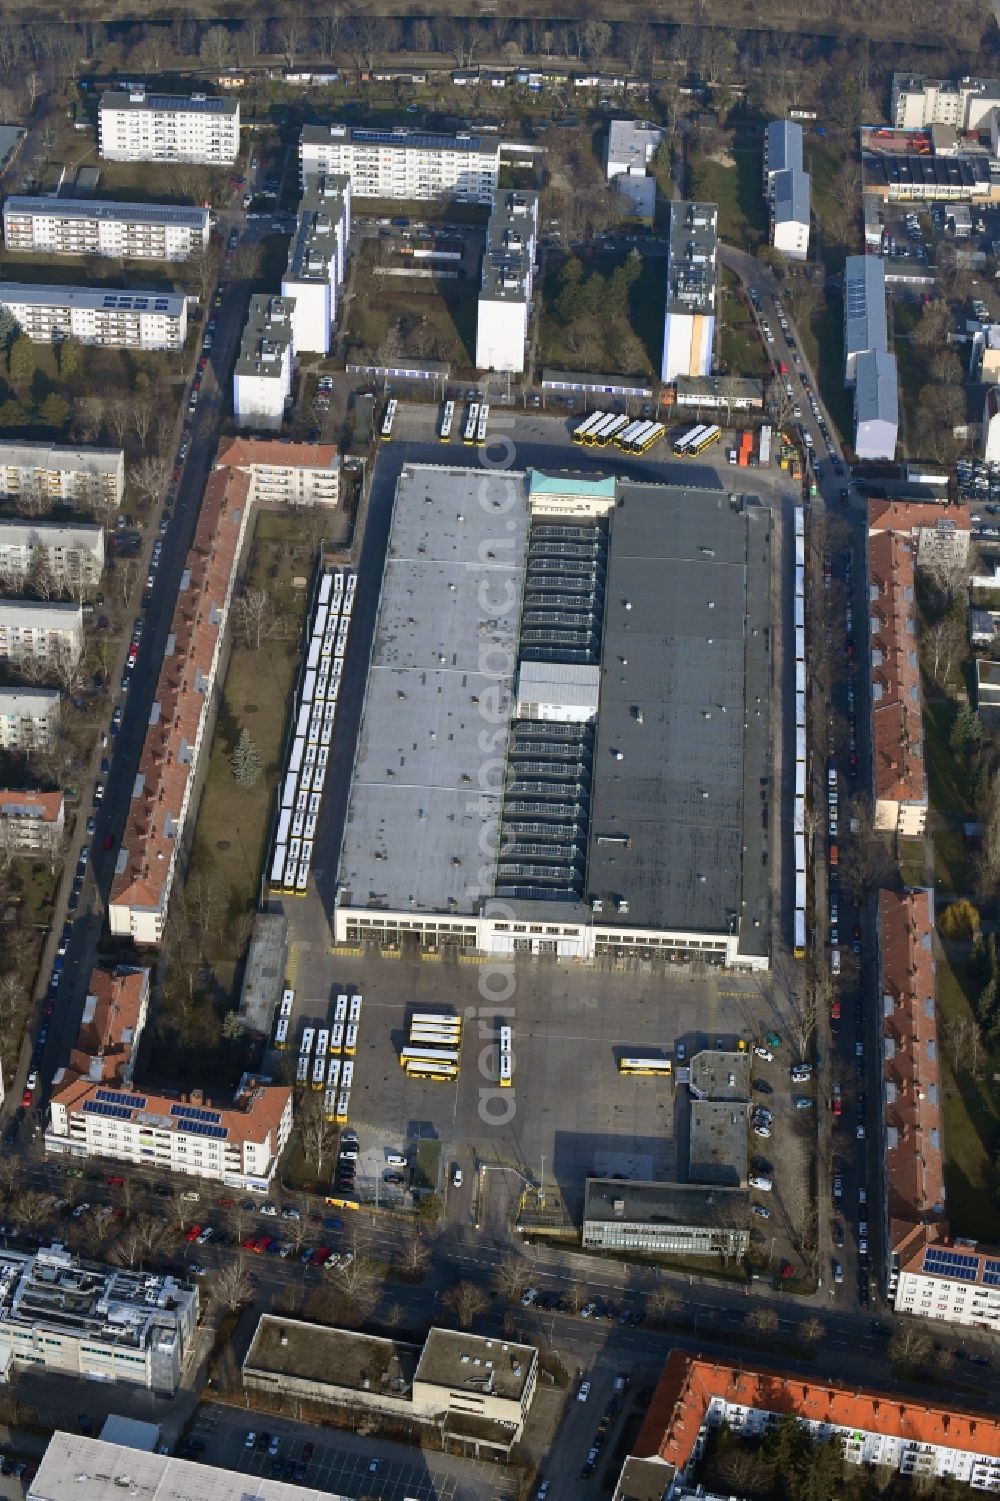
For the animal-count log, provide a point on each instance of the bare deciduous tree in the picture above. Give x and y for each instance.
(663, 1303)
(511, 1278)
(256, 615)
(233, 1286)
(762, 1319)
(467, 1300)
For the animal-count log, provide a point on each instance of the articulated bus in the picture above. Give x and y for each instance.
(287, 1002)
(420, 1068)
(347, 1075)
(661, 1067)
(682, 445)
(343, 1100)
(281, 1035)
(484, 417)
(709, 436)
(308, 1037)
(302, 1070)
(587, 425)
(389, 419)
(340, 1011)
(653, 435)
(354, 1012)
(624, 439)
(333, 1074)
(447, 418)
(337, 1037)
(319, 1073)
(506, 1070)
(471, 423)
(611, 429)
(436, 1019)
(428, 1055)
(322, 1042)
(330, 1105)
(435, 1037)
(351, 1040)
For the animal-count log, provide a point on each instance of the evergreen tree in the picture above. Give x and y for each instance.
(246, 760)
(21, 360)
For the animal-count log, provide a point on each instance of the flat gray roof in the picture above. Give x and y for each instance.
(412, 836)
(631, 142)
(400, 138)
(663, 1203)
(691, 256)
(717, 1151)
(193, 104)
(315, 240)
(460, 1361)
(721, 1076)
(338, 1357)
(100, 299)
(510, 238)
(127, 213)
(266, 335)
(686, 662)
(21, 454)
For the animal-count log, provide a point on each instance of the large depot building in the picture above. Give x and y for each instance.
(565, 742)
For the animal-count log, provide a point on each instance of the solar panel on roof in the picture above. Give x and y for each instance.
(943, 1263)
(991, 1272)
(202, 1128)
(113, 1112)
(117, 1097)
(195, 1113)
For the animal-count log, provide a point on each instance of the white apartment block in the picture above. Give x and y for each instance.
(790, 213)
(317, 260)
(124, 231)
(285, 474)
(73, 555)
(630, 148)
(876, 404)
(402, 163)
(955, 1282)
(41, 633)
(99, 1323)
(113, 319)
(782, 149)
(31, 822)
(61, 475)
(141, 127)
(965, 103)
(689, 320)
(237, 1145)
(505, 291)
(262, 375)
(28, 717)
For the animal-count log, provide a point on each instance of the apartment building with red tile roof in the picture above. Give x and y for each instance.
(182, 714)
(114, 1014)
(935, 1277)
(900, 774)
(695, 1394)
(31, 821)
(938, 532)
(289, 474)
(914, 1153)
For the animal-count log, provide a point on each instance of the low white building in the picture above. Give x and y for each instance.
(58, 474)
(72, 555)
(991, 425)
(630, 147)
(141, 127)
(876, 405)
(42, 633)
(125, 231)
(317, 260)
(112, 318)
(504, 305)
(401, 163)
(566, 692)
(285, 474)
(28, 717)
(262, 376)
(790, 213)
(31, 822)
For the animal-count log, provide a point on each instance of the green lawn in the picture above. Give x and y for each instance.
(971, 1116)
(737, 191)
(952, 863)
(911, 376)
(949, 784)
(741, 350)
(911, 862)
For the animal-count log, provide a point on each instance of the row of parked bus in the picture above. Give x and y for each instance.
(799, 817)
(315, 714)
(628, 434)
(434, 1046)
(696, 439)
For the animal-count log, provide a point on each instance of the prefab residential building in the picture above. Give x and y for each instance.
(111, 318)
(141, 127)
(124, 231)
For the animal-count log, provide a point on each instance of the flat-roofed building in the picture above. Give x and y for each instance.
(899, 766)
(790, 209)
(941, 534)
(58, 474)
(965, 103)
(28, 718)
(317, 259)
(61, 1314)
(864, 310)
(669, 1219)
(284, 474)
(565, 692)
(504, 305)
(262, 375)
(401, 163)
(691, 306)
(135, 126)
(126, 231)
(478, 1377)
(72, 555)
(720, 393)
(630, 147)
(31, 822)
(110, 318)
(876, 405)
(43, 632)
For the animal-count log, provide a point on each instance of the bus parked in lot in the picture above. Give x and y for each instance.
(658, 1067)
(447, 419)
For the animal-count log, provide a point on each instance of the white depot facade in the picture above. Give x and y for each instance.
(505, 290)
(262, 375)
(403, 163)
(317, 261)
(42, 633)
(141, 127)
(62, 475)
(689, 320)
(125, 231)
(112, 318)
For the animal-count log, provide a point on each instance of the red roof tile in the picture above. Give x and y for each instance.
(242, 453)
(897, 714)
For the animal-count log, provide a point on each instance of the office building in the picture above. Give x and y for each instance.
(31, 822)
(504, 306)
(472, 1388)
(28, 718)
(897, 728)
(689, 321)
(879, 1430)
(630, 147)
(140, 127)
(317, 260)
(262, 376)
(790, 193)
(100, 1323)
(932, 1276)
(919, 102)
(72, 556)
(413, 165)
(864, 310)
(782, 150)
(876, 404)
(236, 1144)
(125, 231)
(110, 318)
(668, 1219)
(284, 474)
(41, 633)
(44, 474)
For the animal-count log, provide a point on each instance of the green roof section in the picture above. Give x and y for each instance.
(570, 484)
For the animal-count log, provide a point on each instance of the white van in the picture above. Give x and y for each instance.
(757, 1180)
(395, 1159)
